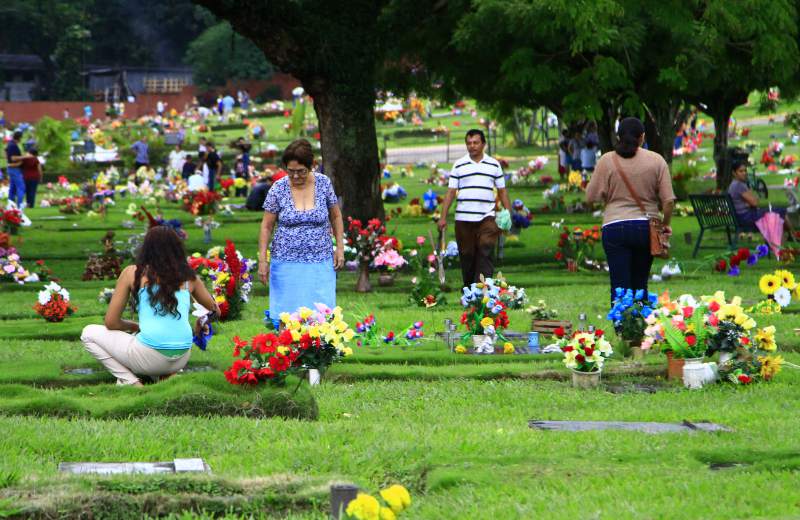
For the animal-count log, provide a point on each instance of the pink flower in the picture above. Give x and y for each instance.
(431, 258)
(420, 240)
(680, 325)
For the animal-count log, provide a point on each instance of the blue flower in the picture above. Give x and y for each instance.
(762, 250)
(752, 260)
(639, 294)
(734, 271)
(652, 298)
(646, 312)
(496, 309)
(619, 291)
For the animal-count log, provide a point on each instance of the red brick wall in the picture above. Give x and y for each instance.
(31, 111)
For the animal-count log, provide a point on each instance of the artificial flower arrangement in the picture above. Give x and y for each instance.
(779, 287)
(43, 271)
(367, 333)
(511, 296)
(367, 507)
(389, 260)
(370, 240)
(231, 282)
(393, 192)
(576, 248)
(53, 303)
(72, 205)
(731, 263)
(201, 202)
(483, 308)
(309, 339)
(541, 311)
(105, 294)
(629, 311)
(426, 291)
(11, 268)
(584, 351)
(755, 361)
(11, 220)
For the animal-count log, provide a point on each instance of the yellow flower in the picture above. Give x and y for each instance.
(575, 178)
(770, 365)
(508, 348)
(765, 338)
(460, 349)
(769, 283)
(485, 299)
(347, 351)
(387, 514)
(348, 335)
(296, 335)
(283, 350)
(364, 507)
(239, 182)
(305, 313)
(397, 497)
(787, 279)
(485, 322)
(285, 318)
(219, 298)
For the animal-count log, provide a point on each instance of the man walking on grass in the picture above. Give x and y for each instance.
(14, 156)
(473, 180)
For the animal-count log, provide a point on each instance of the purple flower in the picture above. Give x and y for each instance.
(762, 250)
(752, 260)
(734, 271)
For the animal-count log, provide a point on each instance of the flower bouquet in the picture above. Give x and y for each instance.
(319, 336)
(576, 248)
(367, 333)
(368, 241)
(541, 311)
(779, 287)
(264, 358)
(426, 291)
(731, 263)
(11, 220)
(201, 202)
(584, 351)
(53, 304)
(367, 507)
(628, 314)
(756, 360)
(483, 309)
(511, 296)
(231, 282)
(11, 268)
(733, 326)
(105, 294)
(686, 333)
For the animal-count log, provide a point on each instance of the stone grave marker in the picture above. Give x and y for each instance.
(129, 468)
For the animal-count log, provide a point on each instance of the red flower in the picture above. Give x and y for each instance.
(734, 260)
(744, 379)
(285, 338)
(691, 340)
(559, 255)
(745, 340)
(568, 348)
(588, 351)
(559, 332)
(580, 358)
(687, 312)
(713, 306)
(598, 333)
(721, 265)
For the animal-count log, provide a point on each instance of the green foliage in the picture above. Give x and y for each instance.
(220, 54)
(53, 140)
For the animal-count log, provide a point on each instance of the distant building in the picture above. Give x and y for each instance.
(22, 77)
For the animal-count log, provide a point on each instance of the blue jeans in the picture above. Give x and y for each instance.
(16, 188)
(627, 247)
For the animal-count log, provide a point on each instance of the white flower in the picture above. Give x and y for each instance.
(783, 297)
(44, 297)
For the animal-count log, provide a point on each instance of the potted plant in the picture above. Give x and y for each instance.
(53, 303)
(11, 220)
(628, 314)
(367, 241)
(482, 309)
(584, 354)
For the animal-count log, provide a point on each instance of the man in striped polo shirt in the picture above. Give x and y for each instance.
(473, 180)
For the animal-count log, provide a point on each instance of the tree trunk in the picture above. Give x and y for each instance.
(605, 128)
(722, 119)
(349, 147)
(659, 125)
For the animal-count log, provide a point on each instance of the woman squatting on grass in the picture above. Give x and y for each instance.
(159, 287)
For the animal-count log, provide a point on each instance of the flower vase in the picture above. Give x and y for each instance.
(724, 357)
(586, 380)
(314, 377)
(693, 373)
(386, 279)
(362, 284)
(207, 233)
(674, 366)
(572, 266)
(477, 340)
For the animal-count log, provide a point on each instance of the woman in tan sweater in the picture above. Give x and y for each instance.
(626, 229)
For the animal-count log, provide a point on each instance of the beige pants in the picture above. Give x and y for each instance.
(124, 356)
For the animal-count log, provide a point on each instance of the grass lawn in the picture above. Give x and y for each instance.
(452, 428)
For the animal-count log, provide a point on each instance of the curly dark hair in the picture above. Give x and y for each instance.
(163, 260)
(299, 150)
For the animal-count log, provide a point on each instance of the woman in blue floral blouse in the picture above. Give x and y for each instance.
(301, 267)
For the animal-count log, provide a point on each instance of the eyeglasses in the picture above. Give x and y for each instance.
(302, 172)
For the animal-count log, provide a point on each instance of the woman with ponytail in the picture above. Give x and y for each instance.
(626, 227)
(159, 288)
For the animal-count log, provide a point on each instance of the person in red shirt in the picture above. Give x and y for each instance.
(32, 175)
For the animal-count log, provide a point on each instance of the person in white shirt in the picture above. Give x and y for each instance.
(472, 182)
(176, 159)
(196, 182)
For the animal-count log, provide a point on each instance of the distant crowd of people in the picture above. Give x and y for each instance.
(578, 149)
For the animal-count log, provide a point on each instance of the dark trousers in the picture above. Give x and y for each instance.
(30, 192)
(476, 240)
(627, 247)
(211, 177)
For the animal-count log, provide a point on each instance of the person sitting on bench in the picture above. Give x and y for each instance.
(745, 202)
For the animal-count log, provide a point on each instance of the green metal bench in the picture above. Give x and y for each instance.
(717, 212)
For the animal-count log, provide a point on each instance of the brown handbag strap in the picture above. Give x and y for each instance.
(628, 185)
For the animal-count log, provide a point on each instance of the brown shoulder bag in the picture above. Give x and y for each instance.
(659, 239)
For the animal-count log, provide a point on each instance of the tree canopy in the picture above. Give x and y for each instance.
(220, 54)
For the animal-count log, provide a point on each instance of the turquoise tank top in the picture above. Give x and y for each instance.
(165, 332)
